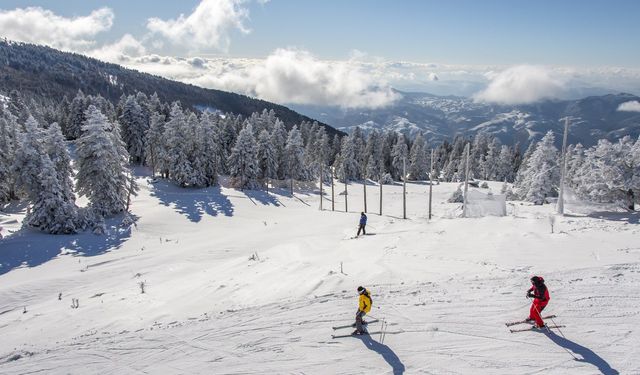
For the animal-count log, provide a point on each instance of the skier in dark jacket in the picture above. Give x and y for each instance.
(540, 294)
(363, 223)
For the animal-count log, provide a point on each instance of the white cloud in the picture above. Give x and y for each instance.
(433, 77)
(119, 51)
(632, 106)
(287, 76)
(521, 84)
(208, 26)
(42, 26)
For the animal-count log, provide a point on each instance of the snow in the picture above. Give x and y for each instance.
(251, 282)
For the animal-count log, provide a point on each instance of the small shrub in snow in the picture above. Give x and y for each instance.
(456, 197)
(386, 179)
(142, 285)
(484, 185)
(75, 303)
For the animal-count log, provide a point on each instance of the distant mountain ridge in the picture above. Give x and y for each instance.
(46, 72)
(443, 117)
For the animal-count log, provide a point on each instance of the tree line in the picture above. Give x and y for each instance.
(192, 148)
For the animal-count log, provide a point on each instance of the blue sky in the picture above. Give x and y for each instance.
(453, 47)
(456, 32)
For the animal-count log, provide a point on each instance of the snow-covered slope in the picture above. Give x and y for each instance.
(250, 282)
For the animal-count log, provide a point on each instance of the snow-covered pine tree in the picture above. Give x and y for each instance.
(489, 163)
(279, 141)
(294, 155)
(375, 165)
(242, 161)
(610, 171)
(133, 126)
(56, 148)
(76, 116)
(504, 164)
(266, 156)
(103, 176)
(155, 150)
(542, 172)
(8, 133)
(228, 136)
(399, 155)
(575, 158)
(417, 167)
(51, 209)
(179, 142)
(478, 153)
(208, 145)
(520, 185)
(348, 168)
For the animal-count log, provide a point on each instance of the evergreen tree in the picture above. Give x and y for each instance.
(103, 176)
(51, 210)
(76, 116)
(242, 161)
(179, 145)
(418, 159)
(294, 155)
(504, 164)
(266, 155)
(542, 172)
(279, 142)
(399, 155)
(155, 148)
(489, 162)
(56, 149)
(133, 126)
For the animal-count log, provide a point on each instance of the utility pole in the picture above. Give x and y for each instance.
(466, 179)
(404, 188)
(563, 167)
(430, 183)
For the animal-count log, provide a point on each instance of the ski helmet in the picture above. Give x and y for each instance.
(361, 290)
(537, 280)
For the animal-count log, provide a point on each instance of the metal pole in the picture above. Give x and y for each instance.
(333, 201)
(563, 167)
(364, 186)
(430, 184)
(404, 188)
(321, 195)
(466, 180)
(346, 206)
(380, 194)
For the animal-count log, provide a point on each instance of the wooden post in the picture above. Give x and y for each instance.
(430, 184)
(364, 186)
(563, 167)
(291, 186)
(404, 188)
(466, 180)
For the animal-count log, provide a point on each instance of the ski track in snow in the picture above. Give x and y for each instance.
(445, 287)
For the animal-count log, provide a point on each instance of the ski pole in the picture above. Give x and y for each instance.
(559, 330)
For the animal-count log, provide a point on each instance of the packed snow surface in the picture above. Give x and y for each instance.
(250, 282)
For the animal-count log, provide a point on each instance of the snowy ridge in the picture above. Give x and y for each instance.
(251, 282)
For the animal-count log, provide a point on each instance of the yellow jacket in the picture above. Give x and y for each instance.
(365, 302)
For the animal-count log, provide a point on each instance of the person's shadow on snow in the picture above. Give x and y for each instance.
(587, 354)
(386, 353)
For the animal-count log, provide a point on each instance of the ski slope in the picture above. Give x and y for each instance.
(252, 282)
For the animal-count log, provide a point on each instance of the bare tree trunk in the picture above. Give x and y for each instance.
(364, 186)
(404, 188)
(380, 195)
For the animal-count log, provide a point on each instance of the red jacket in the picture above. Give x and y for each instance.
(540, 294)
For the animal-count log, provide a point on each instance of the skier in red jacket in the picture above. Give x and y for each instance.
(540, 295)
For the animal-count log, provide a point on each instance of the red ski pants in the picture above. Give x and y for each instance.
(534, 312)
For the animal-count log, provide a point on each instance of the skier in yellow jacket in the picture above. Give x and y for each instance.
(364, 306)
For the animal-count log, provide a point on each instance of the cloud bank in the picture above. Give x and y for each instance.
(208, 26)
(521, 84)
(38, 25)
(632, 106)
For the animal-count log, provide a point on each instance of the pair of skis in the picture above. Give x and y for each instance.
(353, 326)
(532, 328)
